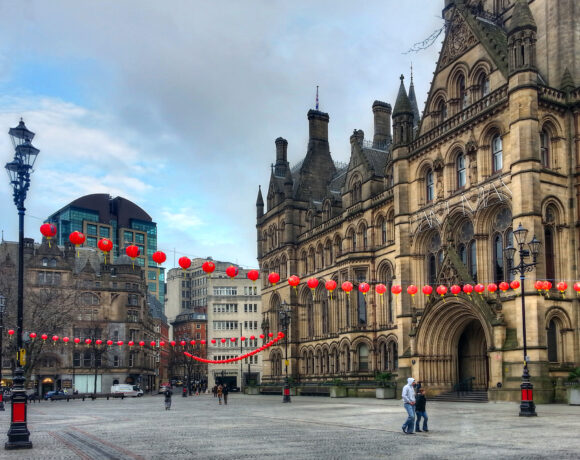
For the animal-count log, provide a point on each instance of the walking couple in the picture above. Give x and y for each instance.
(414, 406)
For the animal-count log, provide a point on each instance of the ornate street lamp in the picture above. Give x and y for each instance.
(285, 313)
(2, 310)
(527, 406)
(19, 170)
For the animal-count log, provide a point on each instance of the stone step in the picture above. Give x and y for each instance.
(453, 396)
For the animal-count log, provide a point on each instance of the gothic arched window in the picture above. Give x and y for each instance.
(461, 171)
(496, 153)
(545, 148)
(502, 238)
(429, 186)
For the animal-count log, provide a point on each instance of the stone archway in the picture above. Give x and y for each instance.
(451, 345)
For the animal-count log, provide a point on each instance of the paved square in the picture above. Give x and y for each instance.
(256, 427)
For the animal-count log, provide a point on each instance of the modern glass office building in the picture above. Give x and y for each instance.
(123, 222)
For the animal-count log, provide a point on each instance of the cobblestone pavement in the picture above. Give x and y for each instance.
(257, 427)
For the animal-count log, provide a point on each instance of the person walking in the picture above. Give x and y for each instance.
(409, 404)
(214, 391)
(220, 393)
(225, 393)
(168, 394)
(420, 411)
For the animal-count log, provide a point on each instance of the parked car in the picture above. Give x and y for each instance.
(163, 387)
(234, 389)
(51, 394)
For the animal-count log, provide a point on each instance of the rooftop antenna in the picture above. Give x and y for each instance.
(316, 97)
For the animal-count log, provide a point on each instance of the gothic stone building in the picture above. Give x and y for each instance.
(435, 202)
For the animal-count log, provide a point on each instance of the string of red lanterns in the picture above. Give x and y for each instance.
(240, 357)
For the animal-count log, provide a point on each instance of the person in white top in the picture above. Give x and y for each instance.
(409, 404)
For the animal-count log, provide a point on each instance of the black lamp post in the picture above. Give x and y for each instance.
(527, 406)
(2, 310)
(19, 170)
(285, 313)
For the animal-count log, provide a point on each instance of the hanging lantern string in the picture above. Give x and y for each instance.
(236, 358)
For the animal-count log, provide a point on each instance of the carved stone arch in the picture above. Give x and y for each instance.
(452, 223)
(493, 127)
(446, 331)
(326, 210)
(551, 123)
(320, 262)
(283, 266)
(422, 169)
(382, 339)
(460, 69)
(439, 96)
(454, 150)
(485, 217)
(385, 268)
(559, 313)
(311, 256)
(483, 66)
(553, 202)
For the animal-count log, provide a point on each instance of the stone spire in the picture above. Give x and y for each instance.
(260, 203)
(413, 100)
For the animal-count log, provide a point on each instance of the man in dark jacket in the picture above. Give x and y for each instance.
(225, 393)
(420, 410)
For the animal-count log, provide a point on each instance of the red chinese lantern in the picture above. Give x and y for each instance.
(577, 287)
(109, 342)
(273, 278)
(131, 343)
(192, 342)
(55, 338)
(48, 231)
(412, 290)
(153, 343)
(562, 286)
(427, 290)
(183, 343)
(381, 289)
(120, 343)
(294, 281)
(88, 341)
(162, 343)
(232, 271)
(173, 343)
(492, 287)
(441, 290)
(203, 341)
(132, 251)
(77, 340)
(242, 338)
(503, 286)
(396, 289)
(479, 288)
(32, 335)
(455, 289)
(233, 339)
(253, 275)
(77, 238)
(364, 288)
(208, 267)
(99, 342)
(223, 340)
(330, 286)
(105, 245)
(159, 257)
(43, 336)
(312, 284)
(281, 334)
(213, 340)
(270, 334)
(547, 286)
(468, 289)
(184, 262)
(347, 287)
(261, 336)
(515, 284)
(11, 333)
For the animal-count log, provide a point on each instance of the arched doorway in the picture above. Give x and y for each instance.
(451, 345)
(472, 356)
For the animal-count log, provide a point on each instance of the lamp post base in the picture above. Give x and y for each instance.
(527, 406)
(18, 434)
(286, 398)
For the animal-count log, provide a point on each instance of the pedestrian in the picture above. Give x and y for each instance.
(220, 393)
(168, 394)
(214, 391)
(420, 410)
(409, 404)
(225, 393)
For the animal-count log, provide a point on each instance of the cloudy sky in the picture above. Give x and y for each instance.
(175, 105)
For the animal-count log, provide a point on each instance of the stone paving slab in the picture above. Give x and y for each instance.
(256, 427)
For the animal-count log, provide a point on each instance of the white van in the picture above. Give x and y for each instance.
(127, 390)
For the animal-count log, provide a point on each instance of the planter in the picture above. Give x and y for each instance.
(338, 392)
(385, 393)
(573, 395)
(252, 390)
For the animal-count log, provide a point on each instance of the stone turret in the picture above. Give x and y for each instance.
(318, 125)
(259, 203)
(522, 39)
(402, 117)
